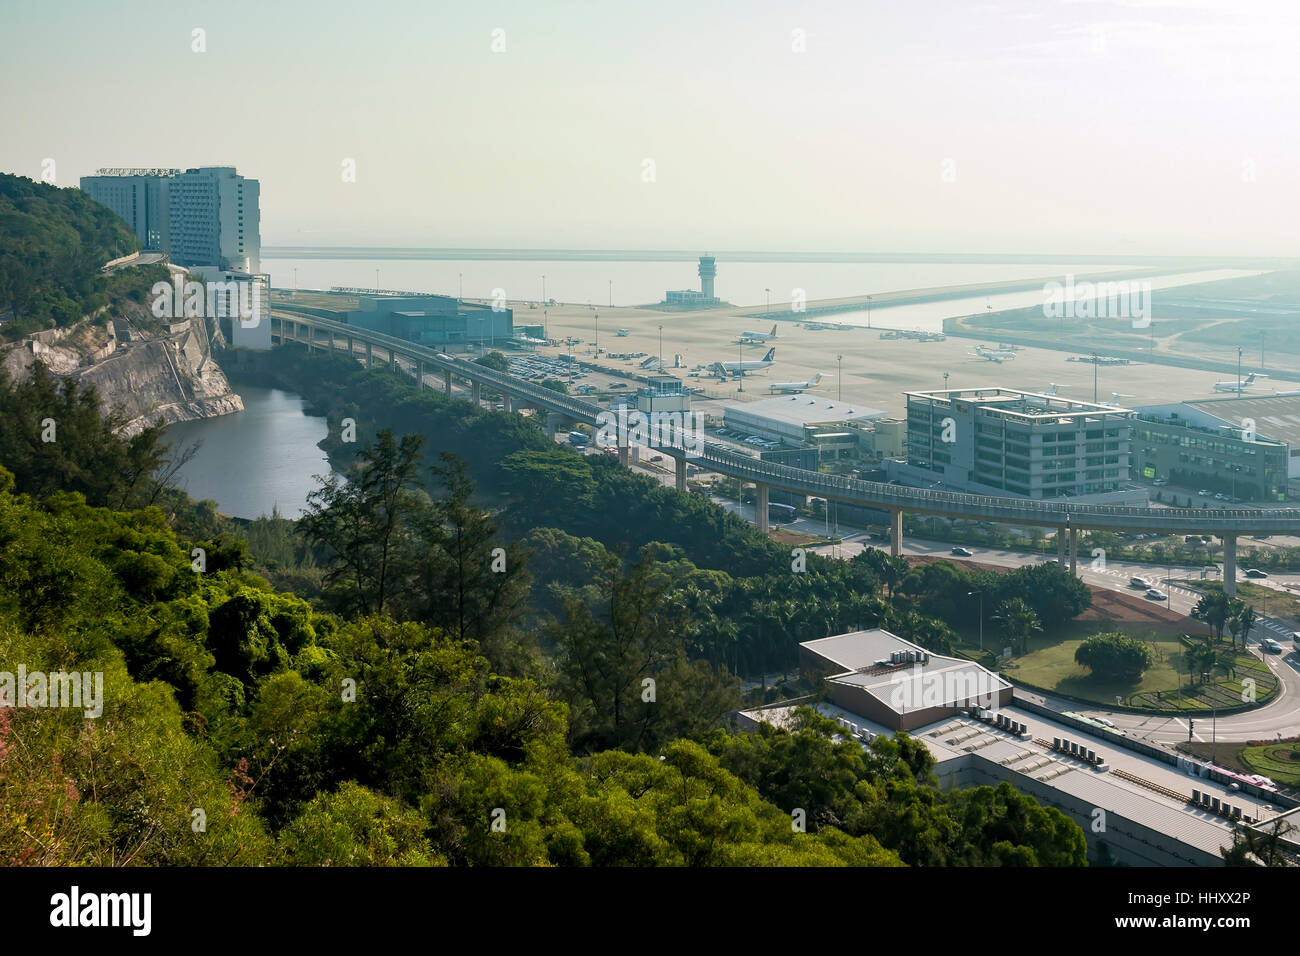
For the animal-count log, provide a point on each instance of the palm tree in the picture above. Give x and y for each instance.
(1244, 622)
(1214, 608)
(1017, 620)
(1250, 847)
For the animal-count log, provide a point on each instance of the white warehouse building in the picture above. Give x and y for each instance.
(789, 418)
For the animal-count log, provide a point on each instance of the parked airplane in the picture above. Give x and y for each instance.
(723, 369)
(1052, 389)
(1237, 386)
(1114, 399)
(993, 355)
(795, 387)
(758, 336)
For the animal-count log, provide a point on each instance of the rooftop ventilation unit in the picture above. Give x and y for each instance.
(1092, 756)
(1196, 796)
(1056, 743)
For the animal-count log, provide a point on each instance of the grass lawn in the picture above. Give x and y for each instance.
(1278, 762)
(1050, 664)
(1279, 603)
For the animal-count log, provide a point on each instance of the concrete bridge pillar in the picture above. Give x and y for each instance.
(623, 455)
(1230, 564)
(554, 422)
(392, 360)
(1060, 545)
(311, 337)
(1074, 550)
(896, 532)
(370, 356)
(681, 473)
(508, 402)
(760, 506)
(446, 381)
(331, 342)
(476, 392)
(419, 371)
(351, 348)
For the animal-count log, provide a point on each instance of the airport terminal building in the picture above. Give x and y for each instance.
(1003, 441)
(433, 320)
(1246, 448)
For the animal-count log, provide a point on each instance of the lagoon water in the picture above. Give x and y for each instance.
(262, 458)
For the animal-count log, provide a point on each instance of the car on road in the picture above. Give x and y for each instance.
(1272, 646)
(1105, 722)
(1256, 573)
(963, 552)
(1205, 492)
(1220, 497)
(656, 457)
(1155, 594)
(617, 385)
(1139, 583)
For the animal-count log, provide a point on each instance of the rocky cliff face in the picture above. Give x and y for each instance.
(147, 373)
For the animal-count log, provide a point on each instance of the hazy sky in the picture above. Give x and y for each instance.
(1114, 126)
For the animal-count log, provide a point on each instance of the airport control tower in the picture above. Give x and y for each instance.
(707, 271)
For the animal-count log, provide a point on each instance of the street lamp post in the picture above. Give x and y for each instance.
(868, 311)
(840, 379)
(740, 372)
(543, 288)
(1239, 371)
(460, 286)
(769, 300)
(981, 594)
(661, 348)
(611, 293)
(945, 381)
(597, 342)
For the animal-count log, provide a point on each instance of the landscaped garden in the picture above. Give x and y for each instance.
(1164, 684)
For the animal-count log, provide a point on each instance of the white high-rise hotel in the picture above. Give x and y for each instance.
(208, 216)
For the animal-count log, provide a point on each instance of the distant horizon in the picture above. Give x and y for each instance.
(651, 254)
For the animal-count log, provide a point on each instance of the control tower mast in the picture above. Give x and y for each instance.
(707, 271)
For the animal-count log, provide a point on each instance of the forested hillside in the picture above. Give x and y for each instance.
(428, 709)
(53, 242)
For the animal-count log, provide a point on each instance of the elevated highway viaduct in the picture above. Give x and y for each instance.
(1067, 517)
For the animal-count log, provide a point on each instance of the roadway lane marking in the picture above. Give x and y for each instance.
(1195, 736)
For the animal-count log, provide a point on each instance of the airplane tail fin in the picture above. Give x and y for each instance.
(1250, 379)
(773, 330)
(770, 353)
(817, 378)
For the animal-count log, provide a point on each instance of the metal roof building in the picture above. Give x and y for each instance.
(1139, 807)
(896, 683)
(788, 417)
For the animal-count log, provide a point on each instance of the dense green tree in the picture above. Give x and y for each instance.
(1114, 656)
(361, 519)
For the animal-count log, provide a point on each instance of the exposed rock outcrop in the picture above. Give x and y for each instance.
(168, 373)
